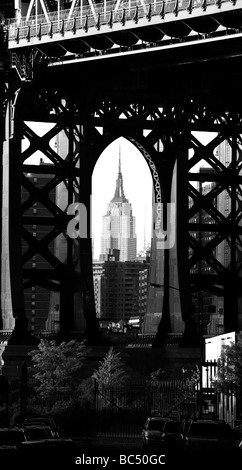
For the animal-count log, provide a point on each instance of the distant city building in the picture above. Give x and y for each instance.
(124, 290)
(120, 277)
(102, 298)
(144, 254)
(52, 323)
(118, 229)
(98, 269)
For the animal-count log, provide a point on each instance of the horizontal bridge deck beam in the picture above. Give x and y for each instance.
(85, 22)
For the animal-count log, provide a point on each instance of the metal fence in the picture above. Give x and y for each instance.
(122, 410)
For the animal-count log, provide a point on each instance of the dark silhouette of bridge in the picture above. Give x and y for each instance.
(155, 73)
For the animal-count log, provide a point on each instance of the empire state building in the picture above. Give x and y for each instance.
(118, 225)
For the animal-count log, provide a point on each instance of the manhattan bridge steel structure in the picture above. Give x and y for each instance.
(158, 73)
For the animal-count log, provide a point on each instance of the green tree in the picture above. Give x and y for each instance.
(111, 371)
(57, 369)
(229, 375)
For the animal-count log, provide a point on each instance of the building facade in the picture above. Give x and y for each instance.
(118, 229)
(124, 290)
(98, 269)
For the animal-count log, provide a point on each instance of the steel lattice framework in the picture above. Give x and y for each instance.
(161, 99)
(164, 130)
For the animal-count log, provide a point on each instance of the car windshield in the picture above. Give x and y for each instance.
(38, 433)
(210, 430)
(172, 427)
(155, 425)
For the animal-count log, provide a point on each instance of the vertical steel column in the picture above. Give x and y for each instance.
(165, 169)
(85, 244)
(189, 338)
(3, 123)
(67, 279)
(20, 334)
(231, 276)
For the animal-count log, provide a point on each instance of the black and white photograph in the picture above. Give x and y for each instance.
(121, 234)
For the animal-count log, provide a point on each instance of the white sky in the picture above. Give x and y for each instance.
(137, 183)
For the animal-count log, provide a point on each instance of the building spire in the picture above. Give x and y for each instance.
(119, 159)
(119, 195)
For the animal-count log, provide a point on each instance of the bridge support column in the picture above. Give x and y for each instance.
(85, 244)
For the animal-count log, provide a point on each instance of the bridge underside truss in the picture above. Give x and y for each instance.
(168, 131)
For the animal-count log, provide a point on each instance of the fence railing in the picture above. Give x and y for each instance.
(123, 410)
(98, 15)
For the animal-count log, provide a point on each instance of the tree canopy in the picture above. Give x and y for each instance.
(111, 371)
(57, 367)
(229, 375)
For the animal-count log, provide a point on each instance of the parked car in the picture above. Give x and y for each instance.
(11, 437)
(170, 438)
(43, 421)
(152, 432)
(208, 435)
(36, 431)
